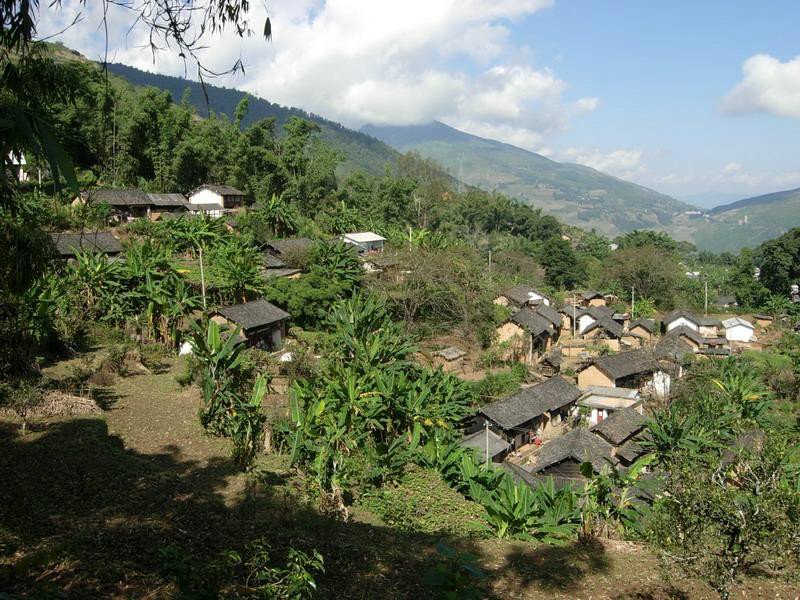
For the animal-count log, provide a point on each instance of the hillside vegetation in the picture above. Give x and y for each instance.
(748, 222)
(576, 194)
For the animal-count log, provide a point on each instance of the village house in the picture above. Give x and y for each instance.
(623, 431)
(644, 328)
(520, 296)
(486, 442)
(739, 330)
(365, 241)
(605, 330)
(725, 302)
(530, 332)
(680, 317)
(67, 245)
(132, 203)
(529, 413)
(223, 197)
(17, 166)
(593, 298)
(600, 402)
(262, 324)
(275, 267)
(561, 457)
(698, 343)
(636, 369)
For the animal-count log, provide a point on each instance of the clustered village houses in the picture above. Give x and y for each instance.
(597, 368)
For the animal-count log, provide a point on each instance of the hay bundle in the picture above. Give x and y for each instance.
(61, 404)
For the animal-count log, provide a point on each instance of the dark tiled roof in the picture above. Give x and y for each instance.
(672, 348)
(477, 440)
(273, 262)
(553, 358)
(647, 324)
(519, 294)
(167, 200)
(625, 364)
(599, 312)
(532, 402)
(609, 325)
(126, 197)
(68, 244)
(725, 301)
(579, 444)
(549, 313)
(715, 351)
(531, 321)
(591, 295)
(222, 190)
(709, 322)
(290, 245)
(620, 426)
(688, 332)
(251, 315)
(631, 450)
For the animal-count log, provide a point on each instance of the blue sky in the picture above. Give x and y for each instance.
(695, 99)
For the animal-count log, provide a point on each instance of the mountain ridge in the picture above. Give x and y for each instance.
(576, 194)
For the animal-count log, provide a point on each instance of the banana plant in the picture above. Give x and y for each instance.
(510, 510)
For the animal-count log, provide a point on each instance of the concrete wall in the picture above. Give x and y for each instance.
(597, 302)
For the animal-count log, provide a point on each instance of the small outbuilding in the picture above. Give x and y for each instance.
(487, 442)
(365, 241)
(636, 369)
(68, 245)
(623, 430)
(262, 324)
(738, 330)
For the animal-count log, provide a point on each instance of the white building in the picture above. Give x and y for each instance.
(600, 402)
(365, 241)
(738, 330)
(223, 196)
(18, 166)
(678, 318)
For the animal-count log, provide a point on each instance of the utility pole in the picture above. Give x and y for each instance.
(574, 317)
(490, 260)
(486, 427)
(202, 278)
(706, 302)
(633, 300)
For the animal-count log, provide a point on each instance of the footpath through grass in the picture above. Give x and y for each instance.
(87, 503)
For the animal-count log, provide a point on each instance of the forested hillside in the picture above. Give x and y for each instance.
(359, 151)
(576, 194)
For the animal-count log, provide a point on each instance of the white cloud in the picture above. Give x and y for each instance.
(379, 62)
(625, 163)
(735, 173)
(732, 167)
(769, 85)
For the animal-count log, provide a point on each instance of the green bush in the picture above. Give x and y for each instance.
(422, 502)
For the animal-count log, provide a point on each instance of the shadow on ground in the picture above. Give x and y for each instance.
(83, 516)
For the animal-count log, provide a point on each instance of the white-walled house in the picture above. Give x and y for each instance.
(223, 196)
(365, 241)
(679, 317)
(738, 330)
(600, 402)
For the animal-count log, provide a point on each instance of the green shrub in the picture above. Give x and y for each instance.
(498, 385)
(423, 503)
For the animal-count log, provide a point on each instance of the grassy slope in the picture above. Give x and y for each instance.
(87, 503)
(768, 217)
(575, 194)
